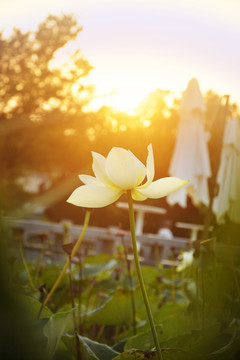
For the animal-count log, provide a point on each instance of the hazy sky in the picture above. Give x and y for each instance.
(139, 46)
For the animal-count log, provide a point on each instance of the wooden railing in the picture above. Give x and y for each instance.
(96, 240)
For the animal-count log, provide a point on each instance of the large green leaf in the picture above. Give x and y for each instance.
(50, 274)
(100, 258)
(90, 350)
(170, 327)
(54, 329)
(154, 301)
(215, 345)
(103, 352)
(150, 274)
(228, 351)
(129, 283)
(170, 314)
(116, 311)
(209, 340)
(169, 309)
(99, 271)
(184, 341)
(174, 326)
(62, 352)
(86, 352)
(120, 345)
(142, 341)
(31, 307)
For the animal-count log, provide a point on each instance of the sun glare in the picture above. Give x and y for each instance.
(122, 87)
(125, 97)
(123, 75)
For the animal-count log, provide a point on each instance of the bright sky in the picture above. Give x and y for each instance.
(137, 46)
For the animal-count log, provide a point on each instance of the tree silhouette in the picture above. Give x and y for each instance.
(41, 117)
(29, 87)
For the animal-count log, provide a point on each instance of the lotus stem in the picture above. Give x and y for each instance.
(128, 266)
(76, 246)
(203, 299)
(26, 266)
(197, 290)
(80, 294)
(40, 262)
(73, 307)
(140, 277)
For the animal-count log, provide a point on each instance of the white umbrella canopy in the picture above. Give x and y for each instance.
(227, 201)
(191, 158)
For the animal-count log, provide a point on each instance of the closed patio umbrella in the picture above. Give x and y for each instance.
(227, 202)
(191, 158)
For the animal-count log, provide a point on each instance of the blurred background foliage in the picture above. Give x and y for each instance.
(44, 125)
(46, 131)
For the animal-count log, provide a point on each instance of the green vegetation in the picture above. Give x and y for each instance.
(196, 310)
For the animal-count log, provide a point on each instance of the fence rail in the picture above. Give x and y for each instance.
(96, 240)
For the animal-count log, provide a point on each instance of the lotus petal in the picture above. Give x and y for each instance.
(122, 168)
(137, 196)
(163, 187)
(88, 179)
(99, 166)
(150, 168)
(93, 196)
(141, 170)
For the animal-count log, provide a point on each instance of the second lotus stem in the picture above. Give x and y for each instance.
(76, 246)
(140, 277)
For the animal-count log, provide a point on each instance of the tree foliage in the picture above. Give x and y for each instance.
(29, 87)
(40, 105)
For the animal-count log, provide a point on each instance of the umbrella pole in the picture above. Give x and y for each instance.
(216, 139)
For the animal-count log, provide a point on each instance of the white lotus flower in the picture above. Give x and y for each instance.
(119, 172)
(186, 259)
